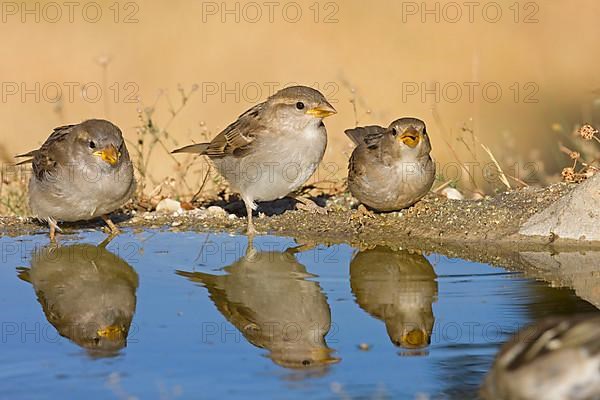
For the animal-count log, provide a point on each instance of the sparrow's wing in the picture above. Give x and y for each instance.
(238, 137)
(369, 135)
(46, 158)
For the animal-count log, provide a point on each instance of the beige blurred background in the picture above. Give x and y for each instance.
(371, 52)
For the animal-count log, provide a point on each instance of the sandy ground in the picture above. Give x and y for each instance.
(433, 219)
(481, 231)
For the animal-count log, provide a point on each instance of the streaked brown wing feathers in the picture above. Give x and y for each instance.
(238, 137)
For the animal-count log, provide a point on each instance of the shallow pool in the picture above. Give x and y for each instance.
(158, 314)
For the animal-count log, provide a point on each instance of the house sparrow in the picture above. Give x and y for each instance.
(398, 288)
(81, 172)
(271, 149)
(268, 298)
(391, 168)
(87, 293)
(557, 358)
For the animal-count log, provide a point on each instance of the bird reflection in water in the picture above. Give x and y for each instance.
(267, 297)
(397, 287)
(87, 293)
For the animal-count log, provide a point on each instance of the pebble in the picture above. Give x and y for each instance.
(169, 206)
(452, 194)
(216, 211)
(364, 347)
(176, 223)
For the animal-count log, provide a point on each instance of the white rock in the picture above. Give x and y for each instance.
(452, 193)
(574, 216)
(216, 211)
(169, 206)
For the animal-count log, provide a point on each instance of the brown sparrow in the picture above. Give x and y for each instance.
(81, 172)
(390, 169)
(273, 148)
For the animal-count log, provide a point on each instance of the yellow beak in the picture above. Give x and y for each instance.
(415, 339)
(323, 110)
(112, 332)
(109, 154)
(410, 137)
(322, 356)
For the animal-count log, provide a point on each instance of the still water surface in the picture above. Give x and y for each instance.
(170, 315)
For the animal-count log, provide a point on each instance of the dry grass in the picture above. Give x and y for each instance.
(191, 180)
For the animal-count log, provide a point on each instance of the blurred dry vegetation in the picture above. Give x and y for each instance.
(361, 62)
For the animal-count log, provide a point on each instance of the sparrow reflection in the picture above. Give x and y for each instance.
(87, 293)
(399, 288)
(266, 296)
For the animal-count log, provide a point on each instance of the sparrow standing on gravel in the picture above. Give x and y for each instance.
(273, 148)
(391, 169)
(81, 172)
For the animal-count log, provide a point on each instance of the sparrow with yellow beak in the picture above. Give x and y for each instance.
(273, 148)
(391, 169)
(81, 172)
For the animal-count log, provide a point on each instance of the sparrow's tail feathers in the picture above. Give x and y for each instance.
(355, 135)
(30, 154)
(365, 134)
(199, 277)
(23, 274)
(198, 148)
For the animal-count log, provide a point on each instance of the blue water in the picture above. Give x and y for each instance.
(183, 341)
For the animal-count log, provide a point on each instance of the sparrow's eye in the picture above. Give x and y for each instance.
(92, 144)
(394, 131)
(300, 105)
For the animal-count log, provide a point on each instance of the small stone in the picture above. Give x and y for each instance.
(364, 347)
(176, 223)
(216, 211)
(169, 206)
(452, 194)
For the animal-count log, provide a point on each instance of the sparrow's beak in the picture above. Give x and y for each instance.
(323, 110)
(322, 356)
(111, 332)
(109, 154)
(410, 137)
(415, 339)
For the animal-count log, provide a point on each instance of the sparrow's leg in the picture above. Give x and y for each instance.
(52, 233)
(53, 228)
(113, 228)
(250, 229)
(309, 205)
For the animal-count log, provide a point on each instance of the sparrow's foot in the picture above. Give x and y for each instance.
(305, 204)
(362, 212)
(53, 228)
(250, 230)
(113, 228)
(52, 233)
(361, 215)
